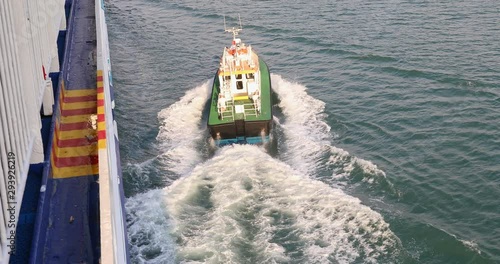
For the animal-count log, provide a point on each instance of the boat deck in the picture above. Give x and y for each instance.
(240, 109)
(249, 113)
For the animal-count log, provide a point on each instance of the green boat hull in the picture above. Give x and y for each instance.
(242, 128)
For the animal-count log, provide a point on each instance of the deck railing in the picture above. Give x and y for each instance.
(114, 242)
(229, 112)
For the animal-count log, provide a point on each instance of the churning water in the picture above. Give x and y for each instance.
(386, 132)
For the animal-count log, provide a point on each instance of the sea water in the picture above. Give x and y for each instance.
(386, 132)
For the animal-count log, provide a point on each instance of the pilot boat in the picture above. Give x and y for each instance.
(240, 104)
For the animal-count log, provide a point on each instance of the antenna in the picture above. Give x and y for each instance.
(234, 30)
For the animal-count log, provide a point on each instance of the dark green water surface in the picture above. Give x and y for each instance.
(387, 132)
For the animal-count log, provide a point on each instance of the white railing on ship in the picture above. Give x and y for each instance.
(229, 112)
(113, 230)
(28, 36)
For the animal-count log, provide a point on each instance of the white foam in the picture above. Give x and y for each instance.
(345, 164)
(243, 200)
(309, 137)
(141, 174)
(306, 133)
(148, 228)
(472, 245)
(244, 206)
(181, 131)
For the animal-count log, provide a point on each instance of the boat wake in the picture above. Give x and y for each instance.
(307, 143)
(243, 206)
(179, 137)
(181, 132)
(263, 212)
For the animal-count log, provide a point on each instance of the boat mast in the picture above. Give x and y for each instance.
(234, 30)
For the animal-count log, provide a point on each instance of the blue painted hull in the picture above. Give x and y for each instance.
(243, 140)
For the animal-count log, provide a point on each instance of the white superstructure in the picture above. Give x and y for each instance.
(28, 52)
(239, 77)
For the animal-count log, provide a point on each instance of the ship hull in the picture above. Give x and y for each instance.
(240, 131)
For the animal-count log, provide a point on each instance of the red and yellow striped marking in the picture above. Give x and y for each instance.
(74, 148)
(101, 121)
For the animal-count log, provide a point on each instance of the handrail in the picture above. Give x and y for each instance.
(230, 109)
(114, 243)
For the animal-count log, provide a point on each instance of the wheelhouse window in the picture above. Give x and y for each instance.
(239, 85)
(250, 76)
